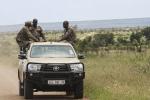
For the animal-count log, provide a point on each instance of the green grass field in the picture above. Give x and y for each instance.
(117, 75)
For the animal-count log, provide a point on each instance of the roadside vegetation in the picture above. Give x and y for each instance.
(8, 50)
(118, 76)
(117, 61)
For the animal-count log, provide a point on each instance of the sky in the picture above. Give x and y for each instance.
(19, 11)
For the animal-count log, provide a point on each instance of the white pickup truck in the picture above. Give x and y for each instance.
(50, 66)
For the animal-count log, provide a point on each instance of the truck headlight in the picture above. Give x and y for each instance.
(34, 67)
(76, 67)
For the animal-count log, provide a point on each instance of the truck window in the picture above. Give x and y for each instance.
(52, 51)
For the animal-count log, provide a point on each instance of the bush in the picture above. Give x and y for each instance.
(84, 45)
(102, 40)
(137, 39)
(122, 40)
(146, 33)
(98, 40)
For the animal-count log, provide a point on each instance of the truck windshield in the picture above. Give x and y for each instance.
(52, 51)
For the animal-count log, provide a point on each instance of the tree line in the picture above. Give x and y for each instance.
(135, 41)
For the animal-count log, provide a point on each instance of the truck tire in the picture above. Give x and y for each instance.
(21, 90)
(28, 90)
(78, 90)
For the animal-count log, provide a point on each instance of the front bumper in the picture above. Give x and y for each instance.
(40, 80)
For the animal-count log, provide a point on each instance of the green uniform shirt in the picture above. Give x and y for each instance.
(69, 35)
(38, 33)
(24, 36)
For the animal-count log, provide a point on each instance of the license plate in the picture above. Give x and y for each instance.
(56, 82)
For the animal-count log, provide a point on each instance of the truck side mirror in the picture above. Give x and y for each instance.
(22, 56)
(81, 56)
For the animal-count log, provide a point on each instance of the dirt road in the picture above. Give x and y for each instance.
(8, 83)
(9, 87)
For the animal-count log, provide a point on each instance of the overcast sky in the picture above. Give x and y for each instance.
(18, 11)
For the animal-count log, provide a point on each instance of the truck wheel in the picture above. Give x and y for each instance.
(78, 90)
(21, 90)
(28, 90)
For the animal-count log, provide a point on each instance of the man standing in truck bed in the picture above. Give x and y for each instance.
(24, 37)
(37, 31)
(69, 34)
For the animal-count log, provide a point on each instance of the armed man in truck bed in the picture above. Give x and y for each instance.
(37, 31)
(24, 37)
(69, 34)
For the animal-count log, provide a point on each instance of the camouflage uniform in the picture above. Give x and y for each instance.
(24, 37)
(69, 36)
(38, 33)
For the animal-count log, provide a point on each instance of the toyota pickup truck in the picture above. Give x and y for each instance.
(50, 66)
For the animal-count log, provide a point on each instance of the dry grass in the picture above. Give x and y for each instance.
(118, 76)
(8, 50)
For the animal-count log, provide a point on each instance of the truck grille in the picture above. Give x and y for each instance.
(55, 68)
